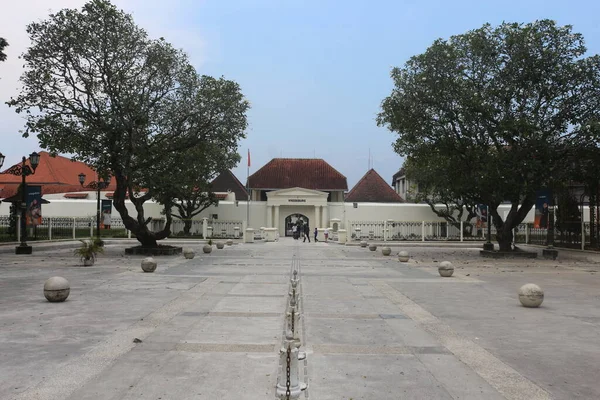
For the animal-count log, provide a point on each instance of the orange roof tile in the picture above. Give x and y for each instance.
(76, 195)
(308, 173)
(55, 174)
(372, 188)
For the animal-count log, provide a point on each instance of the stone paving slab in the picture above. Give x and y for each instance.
(373, 328)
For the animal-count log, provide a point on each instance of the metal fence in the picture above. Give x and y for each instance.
(571, 235)
(55, 228)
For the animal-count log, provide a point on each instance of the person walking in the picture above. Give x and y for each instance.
(294, 229)
(316, 233)
(306, 233)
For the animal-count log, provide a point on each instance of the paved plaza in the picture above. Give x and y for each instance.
(372, 327)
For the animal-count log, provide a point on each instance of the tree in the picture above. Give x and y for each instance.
(444, 201)
(3, 45)
(97, 87)
(495, 107)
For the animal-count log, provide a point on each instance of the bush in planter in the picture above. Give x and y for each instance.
(88, 251)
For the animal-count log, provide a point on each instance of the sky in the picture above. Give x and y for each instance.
(314, 71)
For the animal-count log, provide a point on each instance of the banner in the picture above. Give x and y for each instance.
(482, 215)
(33, 204)
(542, 203)
(105, 214)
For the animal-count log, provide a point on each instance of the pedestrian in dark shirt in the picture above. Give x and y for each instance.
(306, 233)
(316, 233)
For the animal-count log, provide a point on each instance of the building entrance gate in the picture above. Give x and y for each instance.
(299, 220)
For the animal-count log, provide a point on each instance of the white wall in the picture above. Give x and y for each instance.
(227, 210)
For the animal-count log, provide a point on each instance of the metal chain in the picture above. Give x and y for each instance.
(288, 383)
(293, 320)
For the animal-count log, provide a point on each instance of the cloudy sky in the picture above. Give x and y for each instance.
(315, 71)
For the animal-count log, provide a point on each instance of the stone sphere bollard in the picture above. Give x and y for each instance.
(148, 264)
(446, 269)
(220, 245)
(363, 244)
(403, 256)
(386, 251)
(189, 253)
(372, 247)
(531, 295)
(56, 289)
(229, 242)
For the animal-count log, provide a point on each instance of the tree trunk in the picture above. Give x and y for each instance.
(516, 215)
(138, 226)
(187, 226)
(505, 239)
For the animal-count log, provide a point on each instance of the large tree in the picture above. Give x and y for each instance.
(495, 106)
(96, 86)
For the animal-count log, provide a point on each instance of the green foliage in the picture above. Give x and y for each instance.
(490, 113)
(97, 87)
(3, 45)
(88, 250)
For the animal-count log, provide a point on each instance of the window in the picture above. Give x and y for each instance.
(214, 216)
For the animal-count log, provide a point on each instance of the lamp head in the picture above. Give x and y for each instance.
(34, 159)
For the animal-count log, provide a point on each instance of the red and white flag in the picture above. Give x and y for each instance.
(248, 157)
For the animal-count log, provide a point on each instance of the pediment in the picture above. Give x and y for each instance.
(296, 192)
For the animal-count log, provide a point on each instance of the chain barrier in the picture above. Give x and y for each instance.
(290, 355)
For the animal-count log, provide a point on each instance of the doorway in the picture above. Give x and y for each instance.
(300, 220)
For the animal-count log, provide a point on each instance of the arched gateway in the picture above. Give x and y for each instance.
(286, 205)
(295, 219)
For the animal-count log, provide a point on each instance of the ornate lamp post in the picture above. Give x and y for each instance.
(97, 185)
(23, 170)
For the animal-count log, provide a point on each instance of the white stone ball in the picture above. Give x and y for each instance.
(531, 295)
(363, 244)
(148, 264)
(189, 253)
(229, 242)
(386, 251)
(220, 245)
(56, 289)
(372, 247)
(446, 269)
(403, 256)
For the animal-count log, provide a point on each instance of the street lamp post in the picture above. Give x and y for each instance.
(23, 171)
(98, 186)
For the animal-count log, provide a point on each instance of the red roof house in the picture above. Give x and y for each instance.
(55, 174)
(372, 188)
(308, 173)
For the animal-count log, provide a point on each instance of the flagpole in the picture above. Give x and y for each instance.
(249, 194)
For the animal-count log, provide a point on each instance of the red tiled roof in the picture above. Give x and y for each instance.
(228, 181)
(308, 173)
(55, 174)
(220, 196)
(76, 195)
(372, 188)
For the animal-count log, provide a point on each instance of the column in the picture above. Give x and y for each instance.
(204, 227)
(317, 222)
(276, 219)
(270, 217)
(325, 217)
